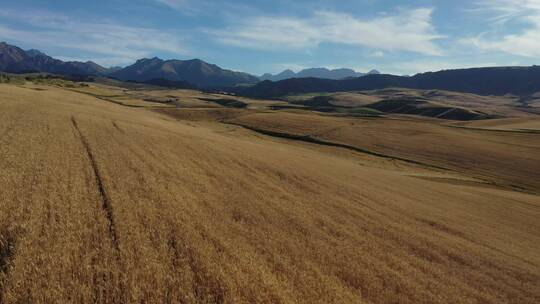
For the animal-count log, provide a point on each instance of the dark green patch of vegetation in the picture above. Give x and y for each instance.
(163, 100)
(420, 106)
(166, 83)
(316, 101)
(59, 81)
(7, 78)
(323, 103)
(363, 111)
(229, 103)
(356, 111)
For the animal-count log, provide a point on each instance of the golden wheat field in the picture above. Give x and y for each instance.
(510, 159)
(102, 202)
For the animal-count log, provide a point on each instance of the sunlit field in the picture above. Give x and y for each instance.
(176, 199)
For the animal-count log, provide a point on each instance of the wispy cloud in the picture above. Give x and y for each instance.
(503, 11)
(187, 7)
(408, 30)
(177, 4)
(525, 41)
(109, 42)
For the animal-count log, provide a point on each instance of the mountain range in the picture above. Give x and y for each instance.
(483, 81)
(196, 73)
(322, 73)
(16, 60)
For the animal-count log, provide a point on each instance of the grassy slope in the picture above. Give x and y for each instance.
(505, 124)
(507, 158)
(490, 105)
(105, 203)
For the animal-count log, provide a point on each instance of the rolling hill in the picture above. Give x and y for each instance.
(428, 103)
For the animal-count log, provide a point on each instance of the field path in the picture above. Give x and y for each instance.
(107, 205)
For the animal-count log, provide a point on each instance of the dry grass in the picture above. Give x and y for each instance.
(505, 124)
(511, 159)
(492, 105)
(110, 204)
(164, 98)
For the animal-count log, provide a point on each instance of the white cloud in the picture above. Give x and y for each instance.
(525, 41)
(410, 30)
(111, 43)
(525, 44)
(267, 32)
(503, 11)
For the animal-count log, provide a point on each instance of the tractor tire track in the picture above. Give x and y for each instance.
(105, 200)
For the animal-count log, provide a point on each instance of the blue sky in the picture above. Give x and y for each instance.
(258, 36)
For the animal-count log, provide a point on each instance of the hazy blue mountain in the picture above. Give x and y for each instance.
(322, 73)
(281, 76)
(485, 81)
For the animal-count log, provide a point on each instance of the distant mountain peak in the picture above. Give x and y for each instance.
(153, 59)
(15, 60)
(287, 72)
(518, 81)
(321, 72)
(34, 53)
(194, 71)
(315, 69)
